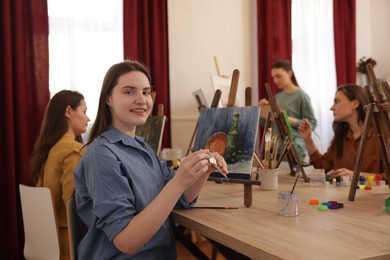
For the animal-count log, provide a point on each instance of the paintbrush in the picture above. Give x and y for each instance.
(268, 139)
(285, 148)
(275, 150)
(312, 129)
(315, 133)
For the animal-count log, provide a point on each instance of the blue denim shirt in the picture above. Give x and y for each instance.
(117, 177)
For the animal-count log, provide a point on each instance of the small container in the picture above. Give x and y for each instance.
(338, 181)
(378, 178)
(317, 177)
(268, 179)
(346, 181)
(287, 204)
(370, 180)
(362, 180)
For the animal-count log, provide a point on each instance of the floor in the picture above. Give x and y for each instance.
(206, 247)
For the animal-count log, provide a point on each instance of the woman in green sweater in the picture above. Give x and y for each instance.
(293, 100)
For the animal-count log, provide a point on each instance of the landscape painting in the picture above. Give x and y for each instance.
(232, 132)
(152, 131)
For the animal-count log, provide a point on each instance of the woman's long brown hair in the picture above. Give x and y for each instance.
(54, 126)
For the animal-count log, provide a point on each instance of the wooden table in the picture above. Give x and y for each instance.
(357, 231)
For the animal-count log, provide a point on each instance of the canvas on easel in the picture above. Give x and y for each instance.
(152, 131)
(377, 111)
(153, 128)
(231, 132)
(282, 125)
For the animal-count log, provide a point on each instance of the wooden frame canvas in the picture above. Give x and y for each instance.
(213, 129)
(200, 98)
(152, 131)
(223, 84)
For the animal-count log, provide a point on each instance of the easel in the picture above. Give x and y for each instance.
(377, 109)
(231, 101)
(281, 125)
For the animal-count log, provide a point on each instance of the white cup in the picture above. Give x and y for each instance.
(268, 179)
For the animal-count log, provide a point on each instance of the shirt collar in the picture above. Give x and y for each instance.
(113, 135)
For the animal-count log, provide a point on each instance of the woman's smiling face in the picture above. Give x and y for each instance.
(130, 102)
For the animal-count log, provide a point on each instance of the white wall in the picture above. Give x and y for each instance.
(202, 29)
(373, 34)
(198, 31)
(380, 36)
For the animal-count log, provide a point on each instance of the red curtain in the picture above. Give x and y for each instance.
(24, 93)
(146, 40)
(274, 38)
(344, 19)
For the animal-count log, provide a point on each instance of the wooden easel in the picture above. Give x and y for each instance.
(231, 101)
(378, 109)
(281, 125)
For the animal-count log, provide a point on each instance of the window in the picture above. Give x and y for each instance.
(85, 39)
(314, 61)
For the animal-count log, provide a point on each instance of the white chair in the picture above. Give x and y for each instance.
(40, 230)
(76, 228)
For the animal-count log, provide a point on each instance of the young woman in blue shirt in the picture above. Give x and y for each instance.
(124, 193)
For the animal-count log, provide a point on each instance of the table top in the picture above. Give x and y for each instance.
(357, 231)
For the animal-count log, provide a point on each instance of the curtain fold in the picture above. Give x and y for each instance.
(24, 94)
(274, 38)
(344, 20)
(146, 40)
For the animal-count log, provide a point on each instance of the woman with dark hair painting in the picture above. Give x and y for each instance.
(293, 100)
(57, 152)
(348, 123)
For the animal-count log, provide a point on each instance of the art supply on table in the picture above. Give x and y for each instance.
(317, 177)
(370, 180)
(378, 178)
(338, 181)
(214, 163)
(331, 204)
(268, 179)
(286, 200)
(362, 180)
(346, 181)
(287, 204)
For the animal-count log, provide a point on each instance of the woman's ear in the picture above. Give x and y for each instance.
(67, 112)
(108, 101)
(355, 103)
